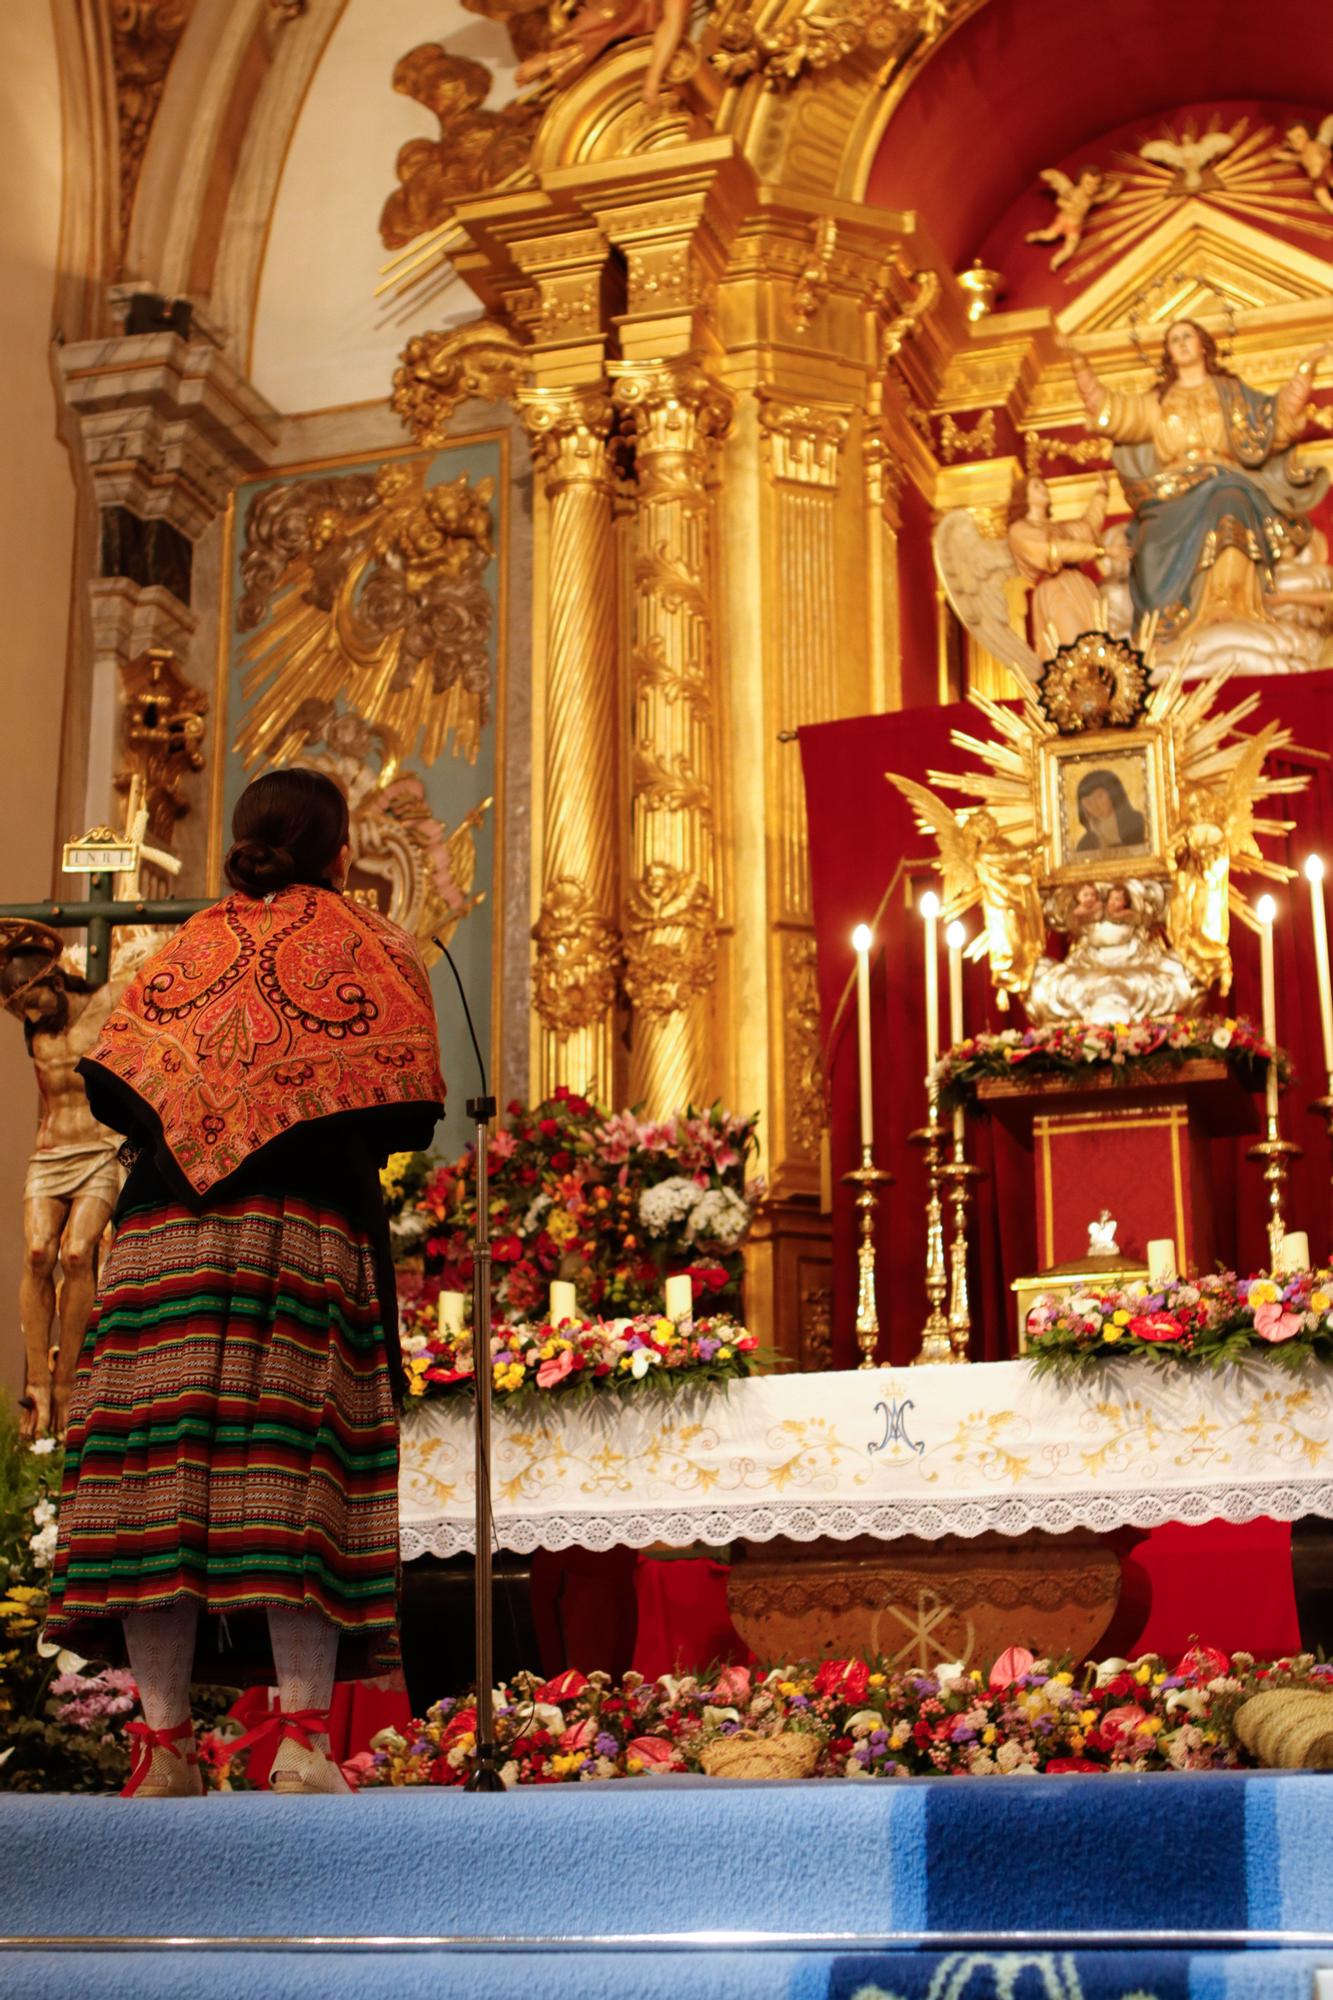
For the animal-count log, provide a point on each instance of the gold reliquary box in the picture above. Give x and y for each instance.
(1063, 1280)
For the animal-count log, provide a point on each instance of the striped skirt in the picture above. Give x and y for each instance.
(232, 1434)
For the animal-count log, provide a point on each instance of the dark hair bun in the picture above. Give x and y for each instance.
(257, 868)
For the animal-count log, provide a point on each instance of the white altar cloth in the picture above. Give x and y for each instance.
(903, 1451)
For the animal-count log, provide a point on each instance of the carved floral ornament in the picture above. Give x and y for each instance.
(577, 959)
(670, 940)
(370, 583)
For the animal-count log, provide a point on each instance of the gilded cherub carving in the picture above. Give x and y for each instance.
(1074, 203)
(575, 46)
(1314, 156)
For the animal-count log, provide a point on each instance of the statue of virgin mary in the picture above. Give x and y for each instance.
(1217, 496)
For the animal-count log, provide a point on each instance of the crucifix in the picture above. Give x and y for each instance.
(73, 1175)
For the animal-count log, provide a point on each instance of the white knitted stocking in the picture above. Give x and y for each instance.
(305, 1653)
(160, 1645)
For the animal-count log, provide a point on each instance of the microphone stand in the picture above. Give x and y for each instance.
(484, 1776)
(481, 1110)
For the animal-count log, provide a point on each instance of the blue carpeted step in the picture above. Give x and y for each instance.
(723, 1975)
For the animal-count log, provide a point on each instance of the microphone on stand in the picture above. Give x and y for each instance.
(481, 1110)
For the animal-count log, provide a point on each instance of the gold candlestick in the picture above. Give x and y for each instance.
(1324, 1106)
(1276, 1154)
(959, 1176)
(935, 1342)
(865, 1179)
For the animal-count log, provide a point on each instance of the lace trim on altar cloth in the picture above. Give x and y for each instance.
(928, 1520)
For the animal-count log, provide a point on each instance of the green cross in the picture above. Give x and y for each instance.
(99, 912)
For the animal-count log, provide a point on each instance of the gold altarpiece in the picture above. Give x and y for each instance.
(730, 369)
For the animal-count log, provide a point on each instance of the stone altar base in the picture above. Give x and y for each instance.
(918, 1604)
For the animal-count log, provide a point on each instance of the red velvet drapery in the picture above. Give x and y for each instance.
(866, 856)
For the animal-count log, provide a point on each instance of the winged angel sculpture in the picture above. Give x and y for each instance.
(1053, 841)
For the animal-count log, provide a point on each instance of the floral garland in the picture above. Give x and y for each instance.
(1028, 1716)
(1127, 1053)
(610, 1202)
(582, 1357)
(1216, 1320)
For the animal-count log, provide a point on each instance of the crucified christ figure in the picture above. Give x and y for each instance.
(73, 1176)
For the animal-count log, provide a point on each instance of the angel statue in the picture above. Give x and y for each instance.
(1048, 554)
(1189, 158)
(1074, 203)
(577, 41)
(1118, 967)
(1216, 493)
(1314, 156)
(980, 865)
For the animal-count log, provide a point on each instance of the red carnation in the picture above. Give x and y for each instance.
(1073, 1764)
(549, 1128)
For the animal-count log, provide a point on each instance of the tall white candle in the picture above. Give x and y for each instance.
(679, 1299)
(1266, 911)
(956, 937)
(861, 942)
(930, 916)
(564, 1301)
(1294, 1253)
(1314, 875)
(1161, 1262)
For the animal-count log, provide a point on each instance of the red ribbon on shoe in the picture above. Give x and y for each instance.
(147, 1740)
(295, 1725)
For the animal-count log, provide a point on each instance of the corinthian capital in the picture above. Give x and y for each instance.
(674, 407)
(568, 429)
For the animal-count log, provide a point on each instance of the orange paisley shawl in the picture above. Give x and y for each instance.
(261, 1015)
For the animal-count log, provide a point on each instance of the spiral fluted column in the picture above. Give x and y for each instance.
(576, 934)
(677, 414)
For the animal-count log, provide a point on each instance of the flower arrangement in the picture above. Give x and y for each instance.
(61, 1717)
(1027, 1716)
(611, 1202)
(579, 1357)
(1126, 1053)
(1215, 1320)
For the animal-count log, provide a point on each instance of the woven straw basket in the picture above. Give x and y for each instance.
(1288, 1729)
(746, 1755)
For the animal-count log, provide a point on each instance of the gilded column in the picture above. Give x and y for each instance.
(803, 443)
(677, 414)
(576, 936)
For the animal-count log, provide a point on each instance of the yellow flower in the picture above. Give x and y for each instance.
(988, 1734)
(633, 1766)
(787, 1687)
(1321, 1301)
(1113, 1332)
(1120, 1317)
(875, 1681)
(1087, 1716)
(1063, 1680)
(560, 1225)
(1143, 1675)
(1264, 1293)
(626, 1361)
(723, 1354)
(664, 1329)
(1152, 1727)
(568, 1761)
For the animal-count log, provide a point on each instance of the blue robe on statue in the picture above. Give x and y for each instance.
(1189, 510)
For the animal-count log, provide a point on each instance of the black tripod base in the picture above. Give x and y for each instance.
(484, 1776)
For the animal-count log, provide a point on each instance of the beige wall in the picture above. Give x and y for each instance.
(36, 545)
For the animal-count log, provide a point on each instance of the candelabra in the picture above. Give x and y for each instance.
(1324, 1106)
(959, 1176)
(935, 1342)
(1275, 1154)
(865, 1179)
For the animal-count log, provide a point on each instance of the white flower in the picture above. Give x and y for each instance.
(1108, 1669)
(5, 1755)
(864, 1721)
(719, 1216)
(509, 1775)
(41, 1446)
(667, 1203)
(43, 1545)
(1221, 1038)
(43, 1512)
(717, 1716)
(952, 1671)
(536, 1209)
(66, 1662)
(540, 1715)
(644, 1359)
(416, 1343)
